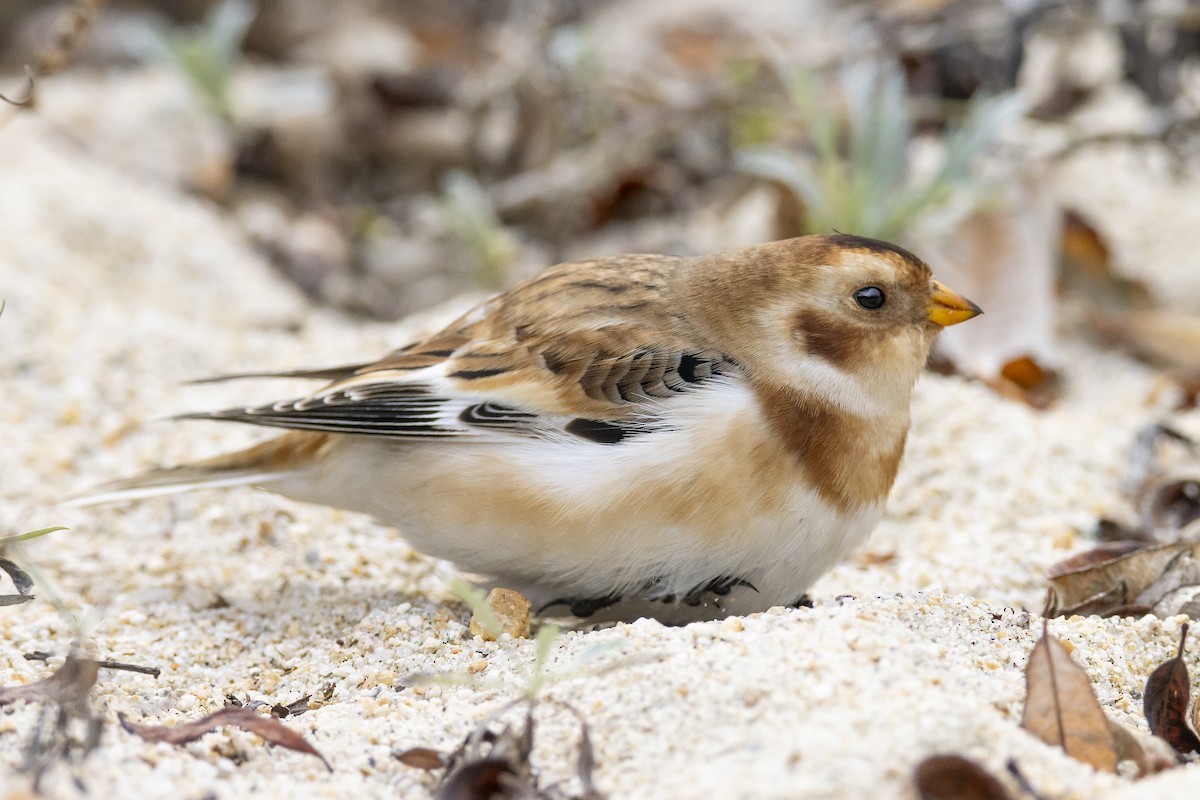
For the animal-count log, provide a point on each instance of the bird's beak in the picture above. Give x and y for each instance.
(950, 308)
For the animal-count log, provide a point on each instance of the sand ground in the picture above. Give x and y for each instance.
(119, 288)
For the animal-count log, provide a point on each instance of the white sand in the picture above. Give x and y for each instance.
(118, 289)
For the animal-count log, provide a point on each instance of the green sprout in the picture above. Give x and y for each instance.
(24, 537)
(857, 176)
(209, 52)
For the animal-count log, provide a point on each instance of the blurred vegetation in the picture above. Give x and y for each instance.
(209, 52)
(388, 156)
(856, 174)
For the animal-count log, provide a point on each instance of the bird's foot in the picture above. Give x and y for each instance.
(583, 606)
(718, 587)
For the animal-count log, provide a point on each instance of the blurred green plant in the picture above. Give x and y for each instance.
(857, 175)
(23, 537)
(469, 215)
(209, 52)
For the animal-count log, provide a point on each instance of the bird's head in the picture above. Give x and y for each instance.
(843, 317)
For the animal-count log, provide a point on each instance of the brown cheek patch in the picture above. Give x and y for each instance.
(828, 336)
(848, 461)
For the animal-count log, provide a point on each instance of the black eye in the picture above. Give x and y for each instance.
(870, 297)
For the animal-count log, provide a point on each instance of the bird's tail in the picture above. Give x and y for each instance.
(261, 464)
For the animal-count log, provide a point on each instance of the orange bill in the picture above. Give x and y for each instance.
(950, 308)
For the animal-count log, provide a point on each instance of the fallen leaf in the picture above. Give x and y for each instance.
(1146, 455)
(952, 777)
(73, 680)
(1023, 378)
(1166, 702)
(294, 708)
(1061, 708)
(1109, 531)
(1101, 554)
(1111, 585)
(1002, 256)
(269, 729)
(484, 779)
(68, 727)
(1128, 748)
(27, 691)
(422, 758)
(1176, 587)
(1169, 507)
(495, 763)
(1088, 269)
(1121, 309)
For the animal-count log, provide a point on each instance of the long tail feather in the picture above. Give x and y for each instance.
(324, 374)
(263, 463)
(159, 482)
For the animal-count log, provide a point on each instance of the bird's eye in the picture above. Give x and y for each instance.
(870, 297)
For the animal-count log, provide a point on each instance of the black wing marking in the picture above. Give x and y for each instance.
(369, 409)
(420, 410)
(644, 374)
(600, 432)
(500, 417)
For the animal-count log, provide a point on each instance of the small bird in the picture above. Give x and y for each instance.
(676, 437)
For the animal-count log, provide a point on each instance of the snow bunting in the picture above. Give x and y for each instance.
(642, 434)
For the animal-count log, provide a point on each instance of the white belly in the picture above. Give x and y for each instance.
(715, 496)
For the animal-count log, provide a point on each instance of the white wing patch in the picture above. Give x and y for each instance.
(426, 404)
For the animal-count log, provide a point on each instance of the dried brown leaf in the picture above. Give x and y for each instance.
(1003, 258)
(269, 729)
(70, 684)
(1109, 531)
(1109, 585)
(495, 763)
(952, 777)
(1088, 270)
(485, 779)
(1176, 587)
(1166, 702)
(28, 691)
(1128, 748)
(1145, 457)
(422, 758)
(1061, 708)
(66, 725)
(1101, 554)
(1022, 378)
(1169, 506)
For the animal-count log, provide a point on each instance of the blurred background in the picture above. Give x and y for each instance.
(386, 156)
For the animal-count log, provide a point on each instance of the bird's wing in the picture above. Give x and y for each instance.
(589, 349)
